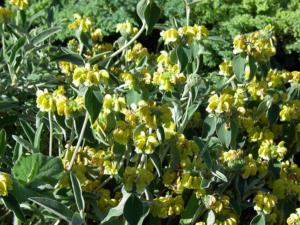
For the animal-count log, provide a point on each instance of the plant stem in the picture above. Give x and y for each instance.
(16, 221)
(188, 11)
(79, 140)
(126, 45)
(51, 132)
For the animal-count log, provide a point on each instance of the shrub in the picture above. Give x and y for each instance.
(129, 136)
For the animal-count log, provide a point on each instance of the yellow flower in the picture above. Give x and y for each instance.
(106, 202)
(220, 104)
(154, 115)
(239, 44)
(21, 4)
(226, 68)
(4, 14)
(136, 53)
(169, 36)
(6, 183)
(97, 35)
(128, 79)
(45, 101)
(294, 218)
(166, 206)
(122, 133)
(82, 23)
(145, 143)
(126, 29)
(269, 150)
(89, 76)
(264, 202)
(250, 168)
(66, 67)
(137, 179)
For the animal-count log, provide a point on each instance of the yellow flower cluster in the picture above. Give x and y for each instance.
(167, 74)
(294, 218)
(259, 44)
(113, 103)
(136, 53)
(264, 202)
(105, 201)
(126, 29)
(166, 206)
(268, 150)
(4, 14)
(67, 67)
(6, 183)
(217, 204)
(122, 132)
(145, 142)
(226, 68)
(154, 115)
(290, 111)
(97, 35)
(58, 102)
(250, 168)
(21, 4)
(82, 23)
(288, 185)
(257, 89)
(136, 179)
(220, 104)
(89, 76)
(187, 34)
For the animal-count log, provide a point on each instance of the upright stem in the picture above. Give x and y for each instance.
(51, 132)
(86, 119)
(126, 45)
(188, 11)
(16, 221)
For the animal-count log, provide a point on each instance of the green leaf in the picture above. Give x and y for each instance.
(258, 220)
(133, 96)
(190, 210)
(28, 130)
(220, 175)
(37, 138)
(157, 163)
(146, 210)
(16, 48)
(55, 207)
(182, 57)
(39, 38)
(2, 142)
(209, 126)
(37, 169)
(151, 15)
(224, 133)
(133, 210)
(262, 108)
(11, 203)
(92, 104)
(211, 218)
(24, 143)
(71, 58)
(118, 210)
(239, 63)
(76, 219)
(140, 9)
(77, 192)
